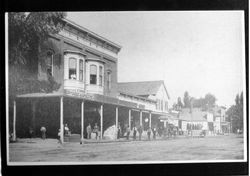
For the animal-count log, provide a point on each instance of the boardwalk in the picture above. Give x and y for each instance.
(209, 148)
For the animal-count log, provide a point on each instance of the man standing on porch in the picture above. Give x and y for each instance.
(140, 131)
(89, 130)
(96, 130)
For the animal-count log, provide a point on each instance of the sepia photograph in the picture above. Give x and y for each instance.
(125, 87)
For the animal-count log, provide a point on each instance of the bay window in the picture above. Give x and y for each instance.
(93, 73)
(49, 63)
(72, 68)
(100, 75)
(109, 80)
(80, 70)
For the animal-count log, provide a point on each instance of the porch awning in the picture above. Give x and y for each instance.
(40, 95)
(89, 97)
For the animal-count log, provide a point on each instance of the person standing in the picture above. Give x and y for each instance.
(59, 136)
(43, 130)
(128, 132)
(140, 132)
(149, 133)
(134, 132)
(89, 130)
(119, 131)
(31, 132)
(66, 130)
(154, 133)
(96, 129)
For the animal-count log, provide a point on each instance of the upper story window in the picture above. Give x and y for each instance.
(100, 75)
(109, 80)
(72, 68)
(80, 70)
(49, 63)
(93, 74)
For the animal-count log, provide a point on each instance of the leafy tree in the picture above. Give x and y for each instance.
(179, 103)
(27, 31)
(235, 113)
(199, 103)
(210, 100)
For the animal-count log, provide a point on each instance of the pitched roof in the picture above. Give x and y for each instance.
(141, 88)
(196, 115)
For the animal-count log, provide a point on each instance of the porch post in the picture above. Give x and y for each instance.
(129, 118)
(141, 118)
(14, 121)
(82, 120)
(150, 125)
(101, 113)
(116, 117)
(61, 119)
(33, 114)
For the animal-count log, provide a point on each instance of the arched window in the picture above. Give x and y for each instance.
(93, 73)
(49, 63)
(72, 68)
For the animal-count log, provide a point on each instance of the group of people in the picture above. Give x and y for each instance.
(120, 132)
(95, 130)
(134, 131)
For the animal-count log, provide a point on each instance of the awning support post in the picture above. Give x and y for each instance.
(82, 120)
(129, 118)
(140, 118)
(150, 125)
(116, 117)
(14, 121)
(61, 120)
(101, 120)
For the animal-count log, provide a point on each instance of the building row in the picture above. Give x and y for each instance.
(84, 64)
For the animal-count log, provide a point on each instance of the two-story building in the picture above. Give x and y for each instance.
(150, 95)
(220, 123)
(85, 65)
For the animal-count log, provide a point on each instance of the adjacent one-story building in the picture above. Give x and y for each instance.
(212, 121)
(194, 119)
(85, 65)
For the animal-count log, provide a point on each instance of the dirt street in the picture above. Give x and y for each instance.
(208, 148)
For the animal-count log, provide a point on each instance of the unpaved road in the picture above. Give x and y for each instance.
(49, 150)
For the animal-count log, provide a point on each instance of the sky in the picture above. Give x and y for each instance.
(196, 51)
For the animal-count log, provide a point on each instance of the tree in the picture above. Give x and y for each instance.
(199, 103)
(235, 113)
(179, 103)
(210, 100)
(27, 31)
(186, 100)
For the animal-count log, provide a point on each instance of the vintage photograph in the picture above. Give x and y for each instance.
(125, 87)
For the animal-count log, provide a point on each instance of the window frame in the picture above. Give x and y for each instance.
(101, 75)
(48, 65)
(69, 75)
(93, 74)
(109, 79)
(81, 70)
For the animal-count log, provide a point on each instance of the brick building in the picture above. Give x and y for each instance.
(85, 66)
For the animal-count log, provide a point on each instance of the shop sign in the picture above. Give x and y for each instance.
(78, 93)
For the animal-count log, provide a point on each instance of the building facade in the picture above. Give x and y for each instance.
(85, 66)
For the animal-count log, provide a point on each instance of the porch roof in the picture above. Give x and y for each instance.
(88, 97)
